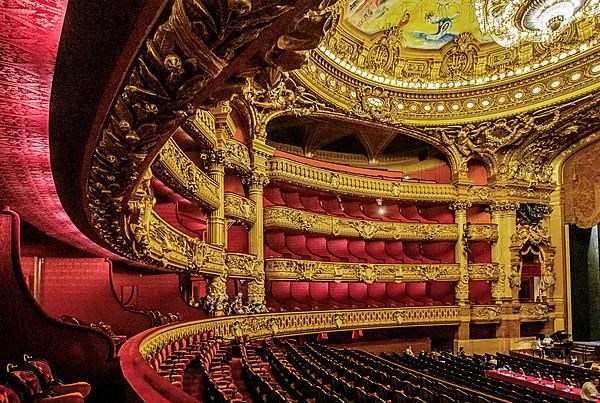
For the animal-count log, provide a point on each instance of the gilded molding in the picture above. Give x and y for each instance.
(239, 208)
(484, 271)
(261, 326)
(486, 313)
(286, 170)
(483, 232)
(236, 156)
(297, 220)
(241, 265)
(201, 127)
(305, 270)
(176, 170)
(534, 312)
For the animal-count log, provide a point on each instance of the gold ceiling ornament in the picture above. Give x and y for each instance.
(516, 21)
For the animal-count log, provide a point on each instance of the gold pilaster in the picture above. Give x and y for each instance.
(504, 216)
(256, 181)
(461, 250)
(216, 218)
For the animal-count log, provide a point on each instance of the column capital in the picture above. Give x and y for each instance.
(460, 206)
(504, 207)
(258, 178)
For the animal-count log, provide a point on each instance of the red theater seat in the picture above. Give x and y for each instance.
(339, 249)
(296, 243)
(418, 292)
(357, 247)
(358, 294)
(273, 197)
(480, 292)
(395, 249)
(374, 211)
(319, 292)
(318, 247)
(481, 252)
(312, 203)
(339, 293)
(440, 214)
(376, 292)
(441, 252)
(292, 199)
(280, 292)
(413, 251)
(376, 249)
(441, 291)
(300, 293)
(276, 242)
(394, 213)
(332, 206)
(412, 213)
(352, 209)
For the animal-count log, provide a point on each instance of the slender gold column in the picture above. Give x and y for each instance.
(460, 218)
(37, 277)
(504, 216)
(256, 181)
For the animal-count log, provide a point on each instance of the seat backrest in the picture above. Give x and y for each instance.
(29, 378)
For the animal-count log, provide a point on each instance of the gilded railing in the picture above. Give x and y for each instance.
(201, 127)
(239, 208)
(483, 232)
(287, 170)
(295, 323)
(309, 270)
(305, 270)
(175, 169)
(298, 220)
(243, 265)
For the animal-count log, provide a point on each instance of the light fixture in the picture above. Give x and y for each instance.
(514, 21)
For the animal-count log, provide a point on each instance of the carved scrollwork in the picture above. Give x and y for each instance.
(483, 232)
(484, 271)
(236, 156)
(239, 208)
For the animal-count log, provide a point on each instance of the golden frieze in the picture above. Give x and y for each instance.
(201, 127)
(286, 170)
(241, 265)
(175, 169)
(306, 270)
(483, 232)
(259, 326)
(239, 208)
(534, 312)
(297, 220)
(486, 313)
(484, 271)
(236, 156)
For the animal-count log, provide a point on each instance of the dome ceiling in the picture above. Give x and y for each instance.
(427, 62)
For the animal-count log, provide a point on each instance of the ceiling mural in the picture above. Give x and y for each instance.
(428, 24)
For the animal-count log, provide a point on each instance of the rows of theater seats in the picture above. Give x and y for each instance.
(322, 374)
(301, 246)
(470, 372)
(314, 295)
(304, 199)
(34, 380)
(547, 369)
(258, 374)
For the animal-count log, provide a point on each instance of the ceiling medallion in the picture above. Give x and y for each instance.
(516, 21)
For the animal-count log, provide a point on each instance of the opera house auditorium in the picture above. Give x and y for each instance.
(300, 201)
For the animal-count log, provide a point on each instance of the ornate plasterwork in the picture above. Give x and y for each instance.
(260, 326)
(484, 271)
(189, 46)
(534, 312)
(239, 208)
(486, 313)
(236, 156)
(201, 127)
(175, 169)
(306, 270)
(483, 232)
(151, 240)
(297, 220)
(241, 265)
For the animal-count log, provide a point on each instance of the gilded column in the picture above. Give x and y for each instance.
(256, 181)
(216, 218)
(461, 250)
(504, 216)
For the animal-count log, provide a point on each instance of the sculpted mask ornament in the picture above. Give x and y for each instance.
(367, 274)
(338, 320)
(400, 317)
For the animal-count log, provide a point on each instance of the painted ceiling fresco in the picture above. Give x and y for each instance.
(430, 24)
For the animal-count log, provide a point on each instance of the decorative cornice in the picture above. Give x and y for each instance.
(201, 127)
(486, 313)
(176, 170)
(297, 220)
(305, 270)
(241, 265)
(286, 170)
(240, 208)
(483, 232)
(261, 326)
